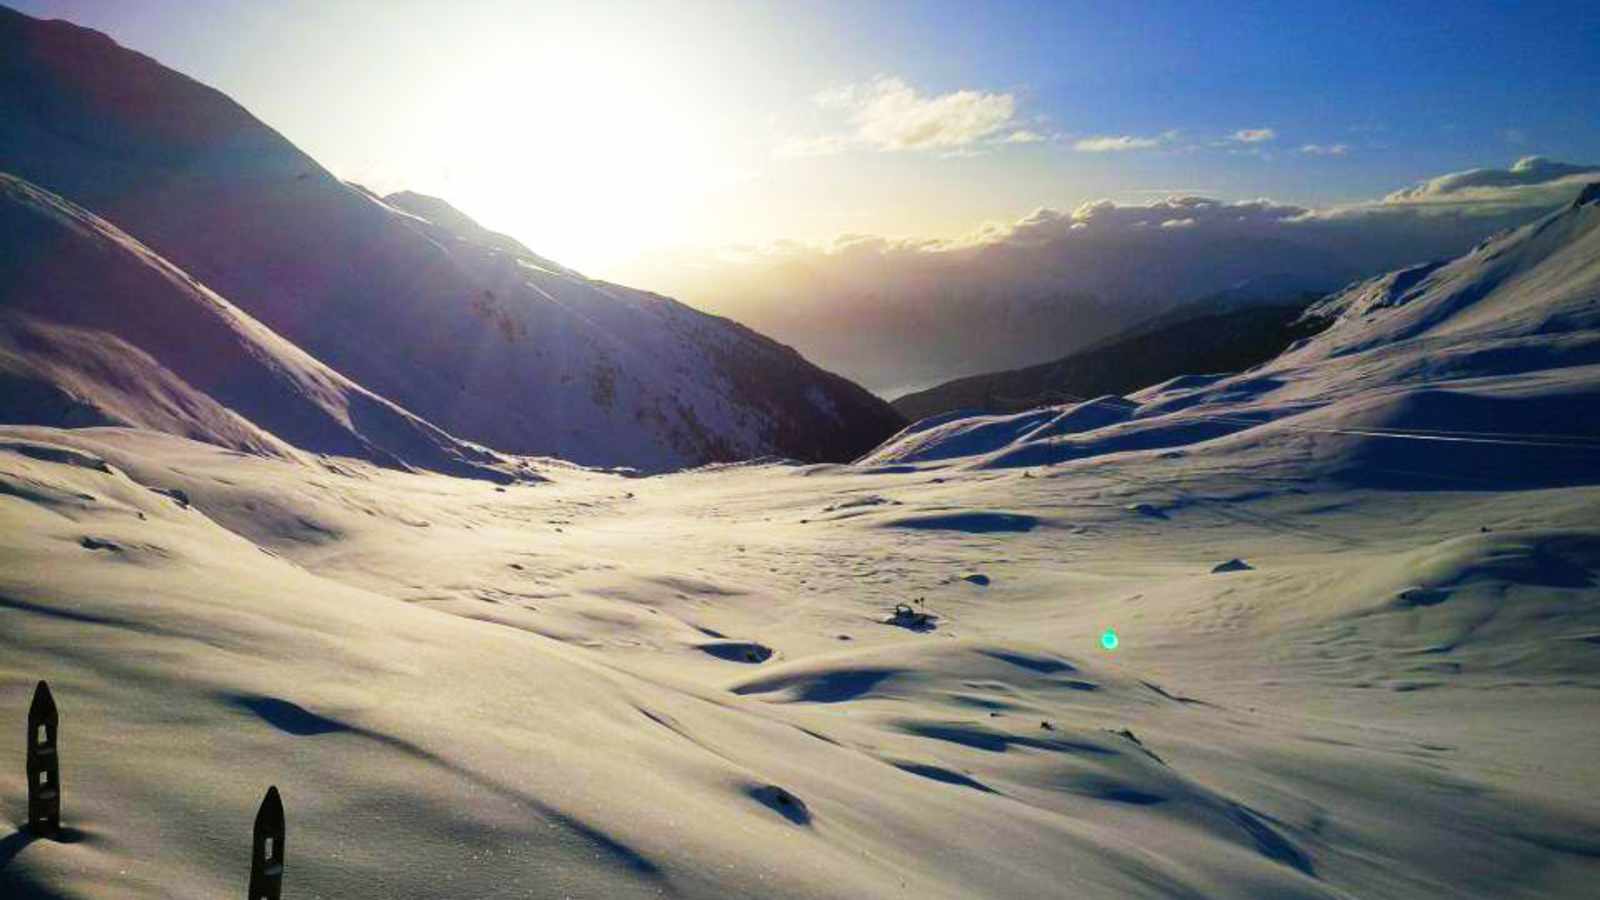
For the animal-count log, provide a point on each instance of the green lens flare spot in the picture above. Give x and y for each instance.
(1109, 639)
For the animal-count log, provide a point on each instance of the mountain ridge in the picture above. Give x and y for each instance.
(480, 337)
(97, 329)
(1206, 336)
(1458, 375)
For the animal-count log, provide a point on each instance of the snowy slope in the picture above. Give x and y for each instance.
(97, 329)
(483, 338)
(690, 685)
(1329, 681)
(1475, 371)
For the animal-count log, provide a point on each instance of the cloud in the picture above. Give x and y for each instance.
(1253, 135)
(1531, 181)
(1325, 149)
(1112, 144)
(1101, 217)
(1108, 143)
(898, 313)
(887, 114)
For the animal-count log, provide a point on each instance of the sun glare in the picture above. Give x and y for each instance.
(579, 146)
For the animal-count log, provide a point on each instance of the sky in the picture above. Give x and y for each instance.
(614, 136)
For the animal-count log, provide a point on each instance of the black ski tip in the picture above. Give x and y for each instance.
(271, 814)
(266, 859)
(44, 705)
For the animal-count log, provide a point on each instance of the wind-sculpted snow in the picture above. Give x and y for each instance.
(690, 685)
(408, 297)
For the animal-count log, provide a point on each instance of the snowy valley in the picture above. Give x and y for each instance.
(693, 684)
(565, 589)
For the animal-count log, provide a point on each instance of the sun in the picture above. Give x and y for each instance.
(582, 148)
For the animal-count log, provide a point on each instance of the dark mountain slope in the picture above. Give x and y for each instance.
(1192, 339)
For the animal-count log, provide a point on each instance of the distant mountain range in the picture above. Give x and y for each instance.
(174, 263)
(1480, 373)
(1227, 332)
(899, 320)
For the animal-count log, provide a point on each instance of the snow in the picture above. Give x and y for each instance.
(603, 686)
(772, 679)
(95, 328)
(699, 685)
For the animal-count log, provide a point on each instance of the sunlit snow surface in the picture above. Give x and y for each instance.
(695, 685)
(467, 692)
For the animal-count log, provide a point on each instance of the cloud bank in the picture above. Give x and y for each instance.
(1531, 181)
(898, 313)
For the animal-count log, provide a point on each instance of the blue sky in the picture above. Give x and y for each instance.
(1417, 88)
(598, 132)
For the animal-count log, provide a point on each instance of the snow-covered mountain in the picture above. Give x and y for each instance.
(1479, 372)
(406, 296)
(1219, 334)
(95, 329)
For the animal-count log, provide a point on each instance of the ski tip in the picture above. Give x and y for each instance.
(44, 705)
(271, 812)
